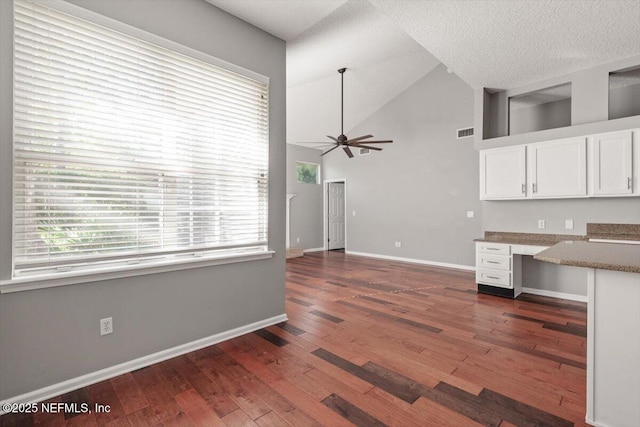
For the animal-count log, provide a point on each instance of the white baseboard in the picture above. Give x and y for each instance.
(313, 250)
(122, 368)
(595, 423)
(415, 261)
(554, 294)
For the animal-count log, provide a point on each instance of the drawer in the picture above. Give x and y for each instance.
(494, 277)
(493, 248)
(498, 262)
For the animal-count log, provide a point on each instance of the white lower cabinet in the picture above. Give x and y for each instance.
(497, 270)
(613, 348)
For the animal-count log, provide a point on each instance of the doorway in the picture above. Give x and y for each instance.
(335, 214)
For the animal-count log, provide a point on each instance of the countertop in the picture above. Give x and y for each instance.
(606, 256)
(533, 239)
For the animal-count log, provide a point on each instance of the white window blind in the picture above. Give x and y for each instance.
(127, 150)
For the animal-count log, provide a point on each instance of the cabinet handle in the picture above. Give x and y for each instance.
(492, 249)
(534, 187)
(492, 262)
(494, 277)
(629, 183)
(524, 188)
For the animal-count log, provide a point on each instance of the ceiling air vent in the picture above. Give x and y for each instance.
(364, 151)
(464, 133)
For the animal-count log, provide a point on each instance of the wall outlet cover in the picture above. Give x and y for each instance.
(568, 224)
(106, 326)
(541, 223)
(398, 244)
(470, 214)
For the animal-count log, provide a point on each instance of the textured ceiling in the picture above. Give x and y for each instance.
(381, 61)
(390, 44)
(505, 44)
(285, 19)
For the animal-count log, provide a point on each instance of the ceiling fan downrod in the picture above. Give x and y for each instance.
(341, 71)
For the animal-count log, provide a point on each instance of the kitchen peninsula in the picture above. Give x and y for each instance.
(612, 257)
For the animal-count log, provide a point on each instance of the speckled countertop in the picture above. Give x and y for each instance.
(535, 239)
(614, 231)
(606, 256)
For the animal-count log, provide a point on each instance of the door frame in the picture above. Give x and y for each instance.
(325, 212)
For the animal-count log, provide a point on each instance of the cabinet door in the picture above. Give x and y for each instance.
(558, 169)
(503, 173)
(612, 164)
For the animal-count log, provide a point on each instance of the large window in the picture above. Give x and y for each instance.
(126, 150)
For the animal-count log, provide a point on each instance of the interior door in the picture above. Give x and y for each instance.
(336, 227)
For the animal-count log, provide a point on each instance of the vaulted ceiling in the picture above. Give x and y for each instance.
(388, 45)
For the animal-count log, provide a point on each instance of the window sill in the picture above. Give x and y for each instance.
(70, 278)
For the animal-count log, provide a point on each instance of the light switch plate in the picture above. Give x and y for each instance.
(470, 214)
(568, 224)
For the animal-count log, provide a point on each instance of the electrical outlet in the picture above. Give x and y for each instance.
(106, 326)
(398, 244)
(297, 240)
(541, 223)
(470, 214)
(568, 224)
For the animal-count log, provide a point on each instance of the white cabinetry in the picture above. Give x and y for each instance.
(497, 270)
(612, 164)
(503, 173)
(558, 169)
(613, 348)
(602, 165)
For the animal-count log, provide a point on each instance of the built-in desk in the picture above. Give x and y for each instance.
(499, 259)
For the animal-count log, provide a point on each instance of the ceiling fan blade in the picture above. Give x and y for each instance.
(348, 151)
(332, 138)
(329, 150)
(367, 146)
(360, 138)
(385, 141)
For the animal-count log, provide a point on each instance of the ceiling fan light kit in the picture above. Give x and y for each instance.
(342, 140)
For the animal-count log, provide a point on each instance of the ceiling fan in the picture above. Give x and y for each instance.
(342, 140)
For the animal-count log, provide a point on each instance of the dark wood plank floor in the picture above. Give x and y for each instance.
(368, 343)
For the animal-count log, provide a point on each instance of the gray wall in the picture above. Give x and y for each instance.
(418, 190)
(624, 101)
(306, 206)
(51, 335)
(589, 108)
(543, 116)
(523, 216)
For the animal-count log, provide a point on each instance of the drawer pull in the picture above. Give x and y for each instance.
(493, 249)
(494, 277)
(492, 262)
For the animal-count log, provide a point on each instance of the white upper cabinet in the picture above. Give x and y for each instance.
(503, 173)
(612, 164)
(558, 169)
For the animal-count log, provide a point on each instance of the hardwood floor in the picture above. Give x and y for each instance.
(368, 343)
